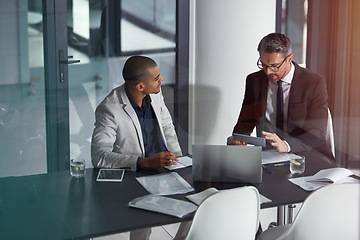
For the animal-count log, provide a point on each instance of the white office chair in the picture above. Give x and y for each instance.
(229, 214)
(330, 133)
(332, 212)
(329, 138)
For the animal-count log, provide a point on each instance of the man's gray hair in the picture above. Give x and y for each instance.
(275, 42)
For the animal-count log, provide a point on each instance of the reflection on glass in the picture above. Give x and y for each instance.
(22, 101)
(145, 25)
(88, 79)
(81, 24)
(294, 25)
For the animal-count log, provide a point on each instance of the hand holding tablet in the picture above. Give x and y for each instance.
(257, 141)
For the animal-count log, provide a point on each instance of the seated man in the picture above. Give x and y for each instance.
(133, 127)
(287, 103)
(132, 121)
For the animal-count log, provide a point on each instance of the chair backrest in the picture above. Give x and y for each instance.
(229, 214)
(331, 212)
(330, 133)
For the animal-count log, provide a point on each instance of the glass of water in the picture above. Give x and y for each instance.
(77, 167)
(297, 164)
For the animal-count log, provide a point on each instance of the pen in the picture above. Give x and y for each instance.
(266, 169)
(282, 164)
(174, 162)
(164, 145)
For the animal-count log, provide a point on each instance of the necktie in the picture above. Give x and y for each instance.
(279, 110)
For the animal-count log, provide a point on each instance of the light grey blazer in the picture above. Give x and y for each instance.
(117, 140)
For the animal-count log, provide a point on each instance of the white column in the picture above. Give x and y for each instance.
(223, 40)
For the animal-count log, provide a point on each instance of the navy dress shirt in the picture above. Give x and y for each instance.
(149, 126)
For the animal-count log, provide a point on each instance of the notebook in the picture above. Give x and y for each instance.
(227, 163)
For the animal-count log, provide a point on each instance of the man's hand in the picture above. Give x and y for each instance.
(275, 141)
(159, 160)
(232, 141)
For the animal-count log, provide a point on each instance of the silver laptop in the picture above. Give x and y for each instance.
(227, 163)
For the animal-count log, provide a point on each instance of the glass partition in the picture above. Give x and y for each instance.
(148, 25)
(146, 28)
(294, 25)
(22, 101)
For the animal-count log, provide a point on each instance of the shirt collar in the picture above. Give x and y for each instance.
(146, 101)
(289, 77)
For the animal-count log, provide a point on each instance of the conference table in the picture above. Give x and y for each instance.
(57, 206)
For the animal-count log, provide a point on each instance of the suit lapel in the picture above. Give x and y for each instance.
(157, 111)
(126, 105)
(294, 88)
(263, 91)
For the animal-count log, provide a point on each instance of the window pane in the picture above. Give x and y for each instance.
(148, 25)
(97, 74)
(22, 101)
(294, 19)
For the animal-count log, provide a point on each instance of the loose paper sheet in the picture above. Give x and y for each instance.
(165, 184)
(173, 207)
(273, 156)
(199, 197)
(183, 162)
(311, 186)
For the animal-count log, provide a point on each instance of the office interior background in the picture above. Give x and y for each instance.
(204, 49)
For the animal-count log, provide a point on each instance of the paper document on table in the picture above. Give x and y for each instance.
(165, 184)
(199, 197)
(264, 199)
(183, 162)
(273, 156)
(308, 184)
(330, 175)
(170, 206)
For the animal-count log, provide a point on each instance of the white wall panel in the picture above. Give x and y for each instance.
(223, 40)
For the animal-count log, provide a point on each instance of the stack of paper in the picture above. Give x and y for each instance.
(325, 177)
(331, 175)
(164, 184)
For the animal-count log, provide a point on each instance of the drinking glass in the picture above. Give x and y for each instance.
(77, 167)
(297, 164)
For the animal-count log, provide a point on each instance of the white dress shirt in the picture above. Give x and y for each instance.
(270, 114)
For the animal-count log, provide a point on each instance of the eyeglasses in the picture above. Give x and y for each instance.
(272, 68)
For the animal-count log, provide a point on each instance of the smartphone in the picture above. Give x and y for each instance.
(110, 175)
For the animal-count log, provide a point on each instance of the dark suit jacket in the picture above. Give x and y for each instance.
(307, 110)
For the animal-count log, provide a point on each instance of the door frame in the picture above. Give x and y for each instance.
(56, 85)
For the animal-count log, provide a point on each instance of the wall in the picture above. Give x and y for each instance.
(223, 40)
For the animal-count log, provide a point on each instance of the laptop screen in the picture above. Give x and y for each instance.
(227, 163)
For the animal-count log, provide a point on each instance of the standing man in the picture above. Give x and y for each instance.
(133, 128)
(286, 103)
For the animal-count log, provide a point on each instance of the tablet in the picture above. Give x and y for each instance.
(257, 141)
(110, 175)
